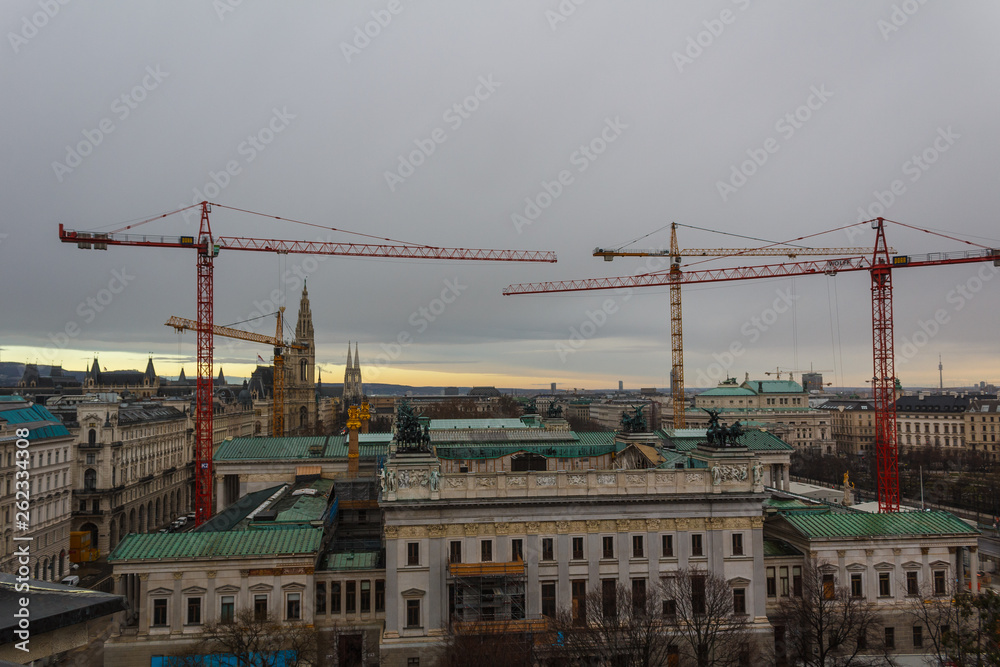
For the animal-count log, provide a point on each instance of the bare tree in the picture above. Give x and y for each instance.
(937, 616)
(699, 613)
(826, 625)
(619, 626)
(255, 641)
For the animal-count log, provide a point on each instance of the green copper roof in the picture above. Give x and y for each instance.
(493, 422)
(728, 391)
(832, 524)
(782, 504)
(756, 441)
(775, 547)
(304, 448)
(774, 386)
(362, 560)
(225, 544)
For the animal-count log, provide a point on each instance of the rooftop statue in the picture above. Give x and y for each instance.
(410, 434)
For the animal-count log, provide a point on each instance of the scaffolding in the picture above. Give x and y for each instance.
(486, 592)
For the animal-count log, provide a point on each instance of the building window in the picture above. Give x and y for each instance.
(194, 611)
(321, 597)
(739, 601)
(772, 583)
(227, 609)
(797, 581)
(260, 607)
(334, 597)
(547, 551)
(577, 548)
(366, 596)
(890, 638)
(638, 597)
(856, 586)
(609, 598)
(939, 582)
(413, 613)
(578, 588)
(783, 580)
(379, 595)
(696, 545)
(413, 662)
(638, 547)
(159, 611)
(884, 590)
(293, 606)
(829, 591)
(667, 548)
(486, 549)
(549, 600)
(698, 594)
(737, 544)
(455, 552)
(351, 597)
(517, 549)
(918, 636)
(608, 542)
(413, 553)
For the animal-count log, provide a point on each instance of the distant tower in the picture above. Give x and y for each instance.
(300, 373)
(621, 385)
(553, 387)
(353, 389)
(940, 375)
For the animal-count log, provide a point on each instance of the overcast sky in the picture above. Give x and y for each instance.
(447, 123)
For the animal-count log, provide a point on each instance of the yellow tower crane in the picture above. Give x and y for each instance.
(676, 328)
(278, 389)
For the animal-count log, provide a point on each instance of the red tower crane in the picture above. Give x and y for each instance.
(208, 247)
(879, 265)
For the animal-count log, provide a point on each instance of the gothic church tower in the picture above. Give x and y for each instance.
(300, 374)
(353, 389)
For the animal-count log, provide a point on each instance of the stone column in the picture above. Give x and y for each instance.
(142, 604)
(974, 567)
(785, 479)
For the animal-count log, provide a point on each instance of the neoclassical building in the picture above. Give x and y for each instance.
(133, 471)
(47, 468)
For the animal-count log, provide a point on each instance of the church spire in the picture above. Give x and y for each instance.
(304, 326)
(357, 365)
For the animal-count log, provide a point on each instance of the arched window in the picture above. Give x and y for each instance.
(302, 369)
(92, 437)
(303, 416)
(90, 480)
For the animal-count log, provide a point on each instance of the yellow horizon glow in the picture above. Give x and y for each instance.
(169, 365)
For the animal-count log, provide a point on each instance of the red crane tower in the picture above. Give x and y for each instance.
(880, 266)
(208, 247)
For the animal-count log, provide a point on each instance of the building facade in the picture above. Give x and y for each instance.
(134, 469)
(45, 471)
